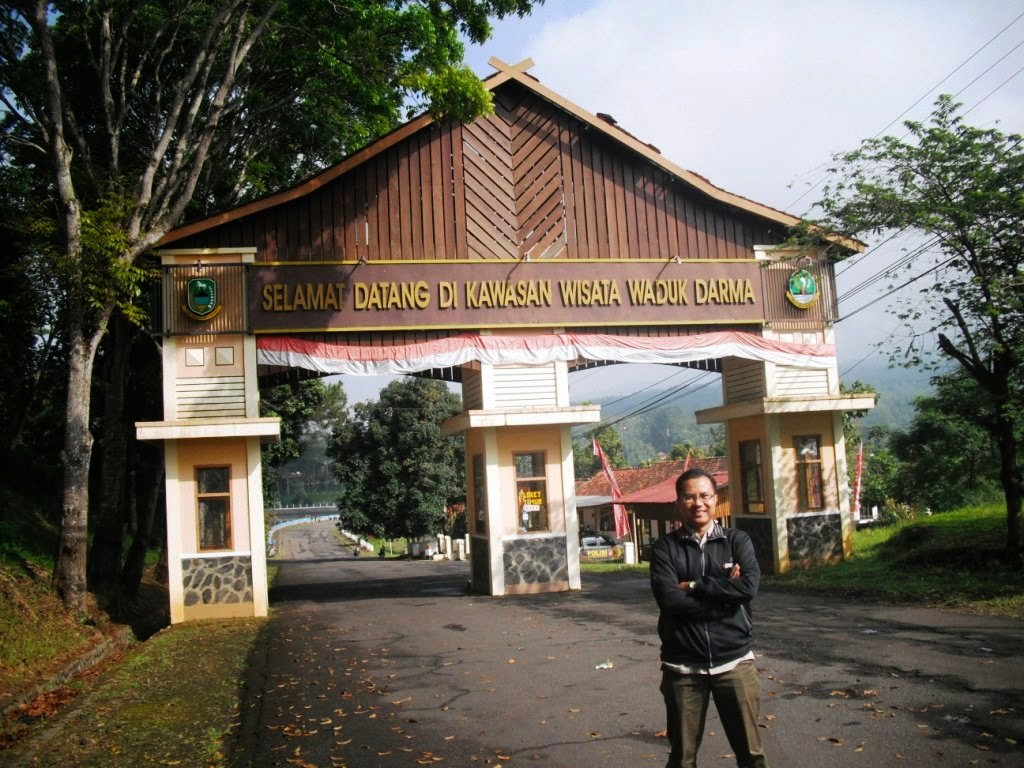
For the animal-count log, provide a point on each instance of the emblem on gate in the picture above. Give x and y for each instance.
(803, 289)
(201, 299)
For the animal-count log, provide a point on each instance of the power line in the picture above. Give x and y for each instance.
(931, 90)
(1001, 85)
(963, 64)
(898, 288)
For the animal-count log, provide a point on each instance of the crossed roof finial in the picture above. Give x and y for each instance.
(523, 66)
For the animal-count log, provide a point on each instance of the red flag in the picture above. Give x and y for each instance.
(686, 466)
(858, 478)
(618, 510)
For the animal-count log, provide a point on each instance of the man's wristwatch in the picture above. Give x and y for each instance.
(691, 585)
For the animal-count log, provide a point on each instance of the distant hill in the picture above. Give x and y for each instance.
(653, 419)
(896, 387)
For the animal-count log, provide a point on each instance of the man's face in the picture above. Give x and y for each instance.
(696, 504)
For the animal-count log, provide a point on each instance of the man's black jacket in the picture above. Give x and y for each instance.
(711, 624)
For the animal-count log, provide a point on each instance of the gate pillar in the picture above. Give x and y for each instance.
(521, 503)
(212, 434)
(787, 460)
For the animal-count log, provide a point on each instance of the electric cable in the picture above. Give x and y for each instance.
(962, 64)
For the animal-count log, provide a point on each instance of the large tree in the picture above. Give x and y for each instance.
(959, 187)
(136, 111)
(398, 472)
(947, 454)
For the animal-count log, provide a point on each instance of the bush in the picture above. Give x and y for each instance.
(896, 512)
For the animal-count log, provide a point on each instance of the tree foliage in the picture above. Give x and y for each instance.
(300, 406)
(130, 114)
(585, 463)
(308, 477)
(959, 186)
(398, 472)
(947, 455)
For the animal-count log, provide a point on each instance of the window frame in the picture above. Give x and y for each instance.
(213, 497)
(752, 504)
(810, 483)
(532, 483)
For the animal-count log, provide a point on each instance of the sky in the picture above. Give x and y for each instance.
(757, 96)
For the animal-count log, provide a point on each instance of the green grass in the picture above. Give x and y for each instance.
(952, 559)
(170, 701)
(36, 634)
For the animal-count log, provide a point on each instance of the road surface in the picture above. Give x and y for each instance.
(393, 663)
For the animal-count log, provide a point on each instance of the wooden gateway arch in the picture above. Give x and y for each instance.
(502, 254)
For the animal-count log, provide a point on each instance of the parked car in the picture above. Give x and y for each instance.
(599, 549)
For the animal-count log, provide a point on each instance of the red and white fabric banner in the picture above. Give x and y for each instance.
(618, 510)
(533, 350)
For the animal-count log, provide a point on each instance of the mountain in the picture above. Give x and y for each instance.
(652, 418)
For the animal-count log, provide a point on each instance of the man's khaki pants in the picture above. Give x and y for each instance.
(737, 699)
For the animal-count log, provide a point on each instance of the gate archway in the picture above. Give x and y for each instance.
(501, 254)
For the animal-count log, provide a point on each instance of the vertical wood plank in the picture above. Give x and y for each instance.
(673, 217)
(632, 210)
(459, 174)
(391, 203)
(588, 235)
(448, 193)
(438, 171)
(565, 147)
(643, 233)
(600, 237)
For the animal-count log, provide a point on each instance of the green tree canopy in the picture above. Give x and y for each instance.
(133, 113)
(960, 187)
(398, 472)
(947, 455)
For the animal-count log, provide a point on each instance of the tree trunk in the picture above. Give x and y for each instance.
(135, 560)
(104, 563)
(69, 571)
(1010, 478)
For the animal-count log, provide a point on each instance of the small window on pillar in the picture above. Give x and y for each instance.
(531, 491)
(751, 477)
(213, 494)
(810, 488)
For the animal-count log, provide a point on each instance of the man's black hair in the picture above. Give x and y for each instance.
(690, 474)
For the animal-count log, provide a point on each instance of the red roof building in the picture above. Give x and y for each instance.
(649, 494)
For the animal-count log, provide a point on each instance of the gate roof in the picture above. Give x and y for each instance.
(539, 178)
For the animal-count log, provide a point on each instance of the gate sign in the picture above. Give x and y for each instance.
(201, 299)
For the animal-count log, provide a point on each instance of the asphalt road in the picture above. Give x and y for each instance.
(393, 663)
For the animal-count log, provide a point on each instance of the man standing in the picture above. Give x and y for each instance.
(704, 577)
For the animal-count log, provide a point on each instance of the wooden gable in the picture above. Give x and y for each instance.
(538, 179)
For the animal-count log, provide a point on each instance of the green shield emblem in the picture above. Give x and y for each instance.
(803, 289)
(202, 297)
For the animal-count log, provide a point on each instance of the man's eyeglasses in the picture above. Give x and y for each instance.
(693, 498)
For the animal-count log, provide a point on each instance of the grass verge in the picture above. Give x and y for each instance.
(950, 560)
(37, 636)
(170, 701)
